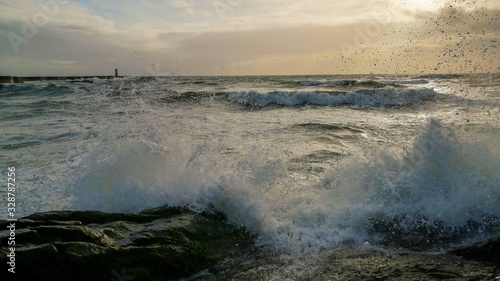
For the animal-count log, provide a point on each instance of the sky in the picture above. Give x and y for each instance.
(248, 37)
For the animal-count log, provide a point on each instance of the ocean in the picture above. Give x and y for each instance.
(304, 163)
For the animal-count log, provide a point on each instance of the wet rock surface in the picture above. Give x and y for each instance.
(177, 244)
(355, 263)
(160, 244)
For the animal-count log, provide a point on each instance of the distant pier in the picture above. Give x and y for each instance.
(15, 79)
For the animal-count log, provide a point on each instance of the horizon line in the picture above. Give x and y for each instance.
(240, 75)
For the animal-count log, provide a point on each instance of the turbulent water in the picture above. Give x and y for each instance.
(303, 163)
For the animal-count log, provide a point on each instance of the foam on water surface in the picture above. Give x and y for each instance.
(115, 146)
(372, 97)
(440, 190)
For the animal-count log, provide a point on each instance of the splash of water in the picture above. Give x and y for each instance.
(439, 191)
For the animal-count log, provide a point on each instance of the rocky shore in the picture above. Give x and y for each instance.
(177, 244)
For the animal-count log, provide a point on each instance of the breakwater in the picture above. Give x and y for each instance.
(16, 79)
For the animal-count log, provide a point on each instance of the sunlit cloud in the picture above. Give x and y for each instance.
(195, 37)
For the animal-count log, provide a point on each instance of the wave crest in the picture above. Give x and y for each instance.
(346, 83)
(374, 97)
(440, 191)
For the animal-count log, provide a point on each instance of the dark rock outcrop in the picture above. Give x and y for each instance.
(160, 244)
(488, 251)
(177, 244)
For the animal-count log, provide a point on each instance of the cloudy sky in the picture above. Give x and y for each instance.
(248, 37)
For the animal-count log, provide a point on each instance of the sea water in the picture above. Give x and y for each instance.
(304, 163)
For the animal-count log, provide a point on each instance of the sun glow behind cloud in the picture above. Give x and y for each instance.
(195, 37)
(423, 5)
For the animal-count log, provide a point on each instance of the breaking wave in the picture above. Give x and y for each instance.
(374, 97)
(346, 83)
(439, 192)
(440, 76)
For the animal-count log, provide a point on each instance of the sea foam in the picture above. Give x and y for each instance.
(440, 187)
(373, 97)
